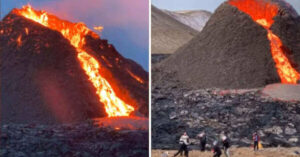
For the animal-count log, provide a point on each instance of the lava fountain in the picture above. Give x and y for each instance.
(75, 33)
(263, 12)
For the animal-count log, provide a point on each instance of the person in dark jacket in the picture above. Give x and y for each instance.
(216, 149)
(202, 137)
(256, 141)
(226, 145)
(184, 142)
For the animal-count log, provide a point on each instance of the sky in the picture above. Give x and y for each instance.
(209, 5)
(126, 24)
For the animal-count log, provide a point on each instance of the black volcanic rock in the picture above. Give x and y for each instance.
(42, 80)
(233, 51)
(76, 139)
(238, 114)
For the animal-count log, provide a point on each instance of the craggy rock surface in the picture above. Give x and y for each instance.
(71, 140)
(238, 113)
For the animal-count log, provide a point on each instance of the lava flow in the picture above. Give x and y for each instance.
(263, 12)
(75, 33)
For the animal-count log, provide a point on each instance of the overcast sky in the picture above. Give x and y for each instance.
(125, 22)
(209, 5)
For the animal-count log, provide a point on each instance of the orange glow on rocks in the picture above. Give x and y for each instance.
(75, 33)
(263, 12)
(26, 31)
(19, 40)
(135, 77)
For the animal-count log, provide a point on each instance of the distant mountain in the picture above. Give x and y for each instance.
(193, 18)
(168, 34)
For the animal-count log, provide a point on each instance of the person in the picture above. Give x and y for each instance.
(216, 149)
(202, 137)
(256, 141)
(226, 145)
(184, 142)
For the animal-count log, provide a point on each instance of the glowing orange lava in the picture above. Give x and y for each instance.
(98, 28)
(26, 31)
(19, 40)
(75, 33)
(135, 77)
(263, 12)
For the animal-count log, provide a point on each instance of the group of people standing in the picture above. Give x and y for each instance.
(216, 149)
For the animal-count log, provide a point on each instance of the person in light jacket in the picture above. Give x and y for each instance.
(184, 142)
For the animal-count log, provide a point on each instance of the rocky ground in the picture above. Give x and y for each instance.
(83, 139)
(240, 152)
(176, 109)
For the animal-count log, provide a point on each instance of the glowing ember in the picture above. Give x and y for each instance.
(263, 12)
(75, 33)
(26, 31)
(98, 28)
(19, 40)
(135, 77)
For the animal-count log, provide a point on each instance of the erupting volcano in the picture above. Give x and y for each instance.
(245, 44)
(76, 33)
(120, 84)
(263, 13)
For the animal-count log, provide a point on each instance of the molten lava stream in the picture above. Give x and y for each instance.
(285, 70)
(263, 12)
(113, 105)
(75, 33)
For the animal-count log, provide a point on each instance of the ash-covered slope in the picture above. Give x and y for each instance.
(168, 34)
(196, 19)
(42, 80)
(233, 51)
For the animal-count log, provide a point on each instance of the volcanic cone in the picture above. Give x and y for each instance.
(46, 78)
(239, 48)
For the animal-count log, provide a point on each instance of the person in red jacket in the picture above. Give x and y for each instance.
(256, 141)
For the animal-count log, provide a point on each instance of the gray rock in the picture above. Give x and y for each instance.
(184, 112)
(290, 131)
(294, 140)
(275, 130)
(173, 115)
